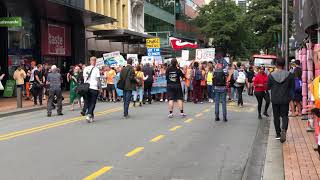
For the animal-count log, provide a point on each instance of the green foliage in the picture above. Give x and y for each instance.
(225, 22)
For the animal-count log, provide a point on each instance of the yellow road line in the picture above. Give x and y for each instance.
(51, 125)
(188, 120)
(134, 152)
(157, 138)
(175, 128)
(206, 110)
(199, 115)
(98, 173)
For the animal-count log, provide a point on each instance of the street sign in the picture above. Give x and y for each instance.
(207, 54)
(153, 51)
(153, 43)
(10, 22)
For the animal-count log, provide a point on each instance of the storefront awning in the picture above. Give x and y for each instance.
(122, 35)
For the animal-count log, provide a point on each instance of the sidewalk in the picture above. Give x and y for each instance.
(300, 160)
(8, 106)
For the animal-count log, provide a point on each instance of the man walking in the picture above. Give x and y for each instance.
(149, 73)
(91, 75)
(127, 82)
(281, 83)
(220, 91)
(54, 83)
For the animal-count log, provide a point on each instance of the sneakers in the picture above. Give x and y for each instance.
(266, 114)
(166, 100)
(89, 118)
(277, 137)
(260, 117)
(82, 113)
(283, 136)
(60, 114)
(170, 115)
(183, 115)
(161, 100)
(217, 119)
(225, 119)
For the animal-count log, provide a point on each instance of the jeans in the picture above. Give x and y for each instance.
(260, 96)
(280, 110)
(126, 101)
(185, 90)
(220, 95)
(210, 92)
(240, 90)
(234, 93)
(52, 94)
(139, 92)
(90, 101)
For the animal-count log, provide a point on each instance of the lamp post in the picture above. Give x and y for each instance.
(286, 54)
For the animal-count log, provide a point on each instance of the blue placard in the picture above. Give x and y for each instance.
(153, 51)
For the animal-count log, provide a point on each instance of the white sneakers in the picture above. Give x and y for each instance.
(89, 118)
(181, 114)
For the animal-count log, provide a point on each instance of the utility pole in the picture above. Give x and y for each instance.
(287, 34)
(283, 28)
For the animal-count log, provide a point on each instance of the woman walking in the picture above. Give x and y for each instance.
(140, 86)
(261, 92)
(74, 79)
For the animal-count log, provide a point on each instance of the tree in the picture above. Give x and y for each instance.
(264, 18)
(225, 22)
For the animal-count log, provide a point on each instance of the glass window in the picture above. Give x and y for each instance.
(152, 24)
(167, 5)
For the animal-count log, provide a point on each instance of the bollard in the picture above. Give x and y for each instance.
(19, 97)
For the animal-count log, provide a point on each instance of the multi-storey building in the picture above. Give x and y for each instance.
(125, 35)
(48, 31)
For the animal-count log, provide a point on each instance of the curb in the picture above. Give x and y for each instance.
(256, 158)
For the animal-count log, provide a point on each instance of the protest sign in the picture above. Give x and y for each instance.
(185, 55)
(134, 57)
(207, 54)
(147, 59)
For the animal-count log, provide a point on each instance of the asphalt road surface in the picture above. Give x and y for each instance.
(147, 146)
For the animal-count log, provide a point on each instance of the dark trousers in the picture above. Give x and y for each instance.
(260, 96)
(37, 94)
(126, 101)
(240, 90)
(197, 91)
(52, 94)
(147, 90)
(90, 101)
(280, 110)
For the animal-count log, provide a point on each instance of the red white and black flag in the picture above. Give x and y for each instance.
(177, 44)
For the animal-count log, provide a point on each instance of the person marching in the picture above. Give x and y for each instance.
(54, 81)
(220, 91)
(261, 91)
(140, 86)
(174, 89)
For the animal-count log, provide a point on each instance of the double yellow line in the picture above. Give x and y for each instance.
(51, 125)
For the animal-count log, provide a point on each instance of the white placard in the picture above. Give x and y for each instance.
(207, 54)
(185, 55)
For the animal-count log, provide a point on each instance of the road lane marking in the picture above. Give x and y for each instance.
(156, 139)
(206, 110)
(134, 152)
(175, 128)
(51, 125)
(199, 115)
(98, 173)
(188, 120)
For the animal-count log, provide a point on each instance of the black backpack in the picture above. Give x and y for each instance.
(219, 78)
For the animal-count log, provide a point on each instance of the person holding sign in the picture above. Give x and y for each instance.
(174, 89)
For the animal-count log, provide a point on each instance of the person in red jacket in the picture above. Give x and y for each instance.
(261, 91)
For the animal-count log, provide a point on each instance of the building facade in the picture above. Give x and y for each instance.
(165, 18)
(129, 15)
(51, 31)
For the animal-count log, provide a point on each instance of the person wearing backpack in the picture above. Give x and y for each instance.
(241, 79)
(220, 91)
(261, 91)
(197, 89)
(298, 89)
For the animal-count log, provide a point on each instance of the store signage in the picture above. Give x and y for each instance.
(56, 39)
(9, 89)
(207, 54)
(153, 51)
(153, 43)
(10, 22)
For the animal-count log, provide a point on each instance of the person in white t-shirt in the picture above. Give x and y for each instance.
(90, 99)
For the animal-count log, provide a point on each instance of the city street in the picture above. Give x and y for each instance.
(147, 146)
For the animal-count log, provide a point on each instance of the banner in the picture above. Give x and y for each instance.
(207, 54)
